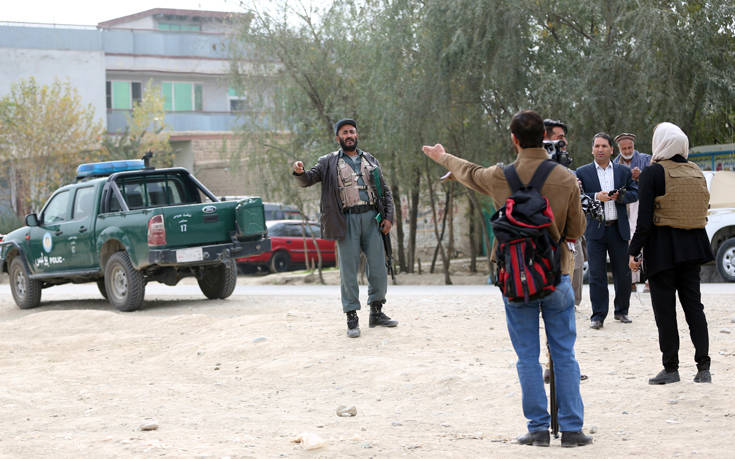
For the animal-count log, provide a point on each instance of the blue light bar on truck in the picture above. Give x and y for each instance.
(108, 167)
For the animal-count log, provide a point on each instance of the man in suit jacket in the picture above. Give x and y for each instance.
(599, 179)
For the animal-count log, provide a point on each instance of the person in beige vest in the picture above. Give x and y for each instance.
(670, 232)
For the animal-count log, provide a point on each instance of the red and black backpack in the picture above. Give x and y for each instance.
(529, 260)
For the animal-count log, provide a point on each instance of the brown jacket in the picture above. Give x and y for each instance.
(560, 188)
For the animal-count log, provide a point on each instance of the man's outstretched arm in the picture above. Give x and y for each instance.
(467, 173)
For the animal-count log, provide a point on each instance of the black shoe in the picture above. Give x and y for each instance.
(537, 438)
(664, 377)
(596, 324)
(623, 318)
(703, 376)
(378, 318)
(353, 329)
(572, 439)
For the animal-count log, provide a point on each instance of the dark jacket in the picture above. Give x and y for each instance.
(332, 219)
(664, 246)
(591, 185)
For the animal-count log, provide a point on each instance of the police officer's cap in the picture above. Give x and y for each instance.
(341, 123)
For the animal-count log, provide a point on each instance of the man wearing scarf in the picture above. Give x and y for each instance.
(673, 212)
(636, 162)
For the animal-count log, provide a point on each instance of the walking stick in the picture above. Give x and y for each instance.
(554, 408)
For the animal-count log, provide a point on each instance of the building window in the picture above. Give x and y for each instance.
(180, 27)
(122, 94)
(181, 97)
(238, 100)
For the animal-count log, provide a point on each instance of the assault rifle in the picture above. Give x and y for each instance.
(380, 187)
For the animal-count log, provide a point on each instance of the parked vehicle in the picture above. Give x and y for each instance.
(721, 221)
(124, 224)
(287, 247)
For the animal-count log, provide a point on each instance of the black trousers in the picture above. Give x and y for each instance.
(597, 251)
(684, 280)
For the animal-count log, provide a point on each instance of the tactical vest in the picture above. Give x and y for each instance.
(349, 188)
(686, 200)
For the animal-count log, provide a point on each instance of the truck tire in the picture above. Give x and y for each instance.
(218, 282)
(26, 291)
(279, 262)
(101, 287)
(726, 260)
(123, 283)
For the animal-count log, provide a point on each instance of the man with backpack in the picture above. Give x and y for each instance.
(529, 280)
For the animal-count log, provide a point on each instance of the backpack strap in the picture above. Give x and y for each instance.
(542, 172)
(512, 177)
(537, 181)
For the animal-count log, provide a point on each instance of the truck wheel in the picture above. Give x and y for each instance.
(726, 260)
(219, 281)
(101, 287)
(279, 262)
(26, 291)
(123, 283)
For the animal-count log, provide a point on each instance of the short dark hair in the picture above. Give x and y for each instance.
(528, 127)
(550, 124)
(605, 136)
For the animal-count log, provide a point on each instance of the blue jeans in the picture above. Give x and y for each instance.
(557, 311)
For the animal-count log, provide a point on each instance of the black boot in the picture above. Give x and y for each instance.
(572, 439)
(536, 438)
(353, 330)
(378, 318)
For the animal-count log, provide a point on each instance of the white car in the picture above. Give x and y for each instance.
(721, 221)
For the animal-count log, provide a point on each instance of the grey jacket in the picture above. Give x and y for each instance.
(332, 219)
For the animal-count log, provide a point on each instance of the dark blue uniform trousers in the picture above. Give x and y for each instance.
(615, 246)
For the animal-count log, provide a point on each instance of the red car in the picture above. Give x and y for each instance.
(287, 252)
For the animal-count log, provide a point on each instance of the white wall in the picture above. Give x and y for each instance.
(84, 69)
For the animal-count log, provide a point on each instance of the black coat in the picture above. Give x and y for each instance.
(333, 222)
(664, 247)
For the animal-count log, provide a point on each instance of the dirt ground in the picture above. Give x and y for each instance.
(245, 376)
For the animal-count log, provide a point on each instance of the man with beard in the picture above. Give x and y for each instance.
(636, 162)
(349, 201)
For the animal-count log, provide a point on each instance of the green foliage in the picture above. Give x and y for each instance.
(9, 222)
(43, 129)
(144, 131)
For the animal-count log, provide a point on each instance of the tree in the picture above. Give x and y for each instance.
(43, 129)
(144, 132)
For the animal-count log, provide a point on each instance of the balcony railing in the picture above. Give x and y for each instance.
(184, 121)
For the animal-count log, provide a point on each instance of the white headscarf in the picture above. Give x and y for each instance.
(669, 140)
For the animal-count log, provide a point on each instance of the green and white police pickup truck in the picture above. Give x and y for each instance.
(124, 224)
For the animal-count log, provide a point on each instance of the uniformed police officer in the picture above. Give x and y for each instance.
(349, 202)
(671, 219)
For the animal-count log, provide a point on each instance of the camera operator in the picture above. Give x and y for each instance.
(557, 131)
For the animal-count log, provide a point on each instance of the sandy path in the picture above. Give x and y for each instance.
(241, 377)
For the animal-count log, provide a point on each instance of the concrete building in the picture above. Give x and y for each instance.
(182, 53)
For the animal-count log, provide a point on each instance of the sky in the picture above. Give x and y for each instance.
(92, 12)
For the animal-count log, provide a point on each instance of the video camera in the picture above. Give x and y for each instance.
(592, 208)
(556, 152)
